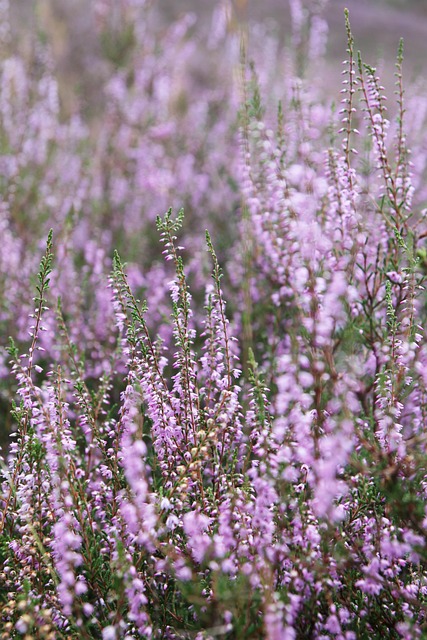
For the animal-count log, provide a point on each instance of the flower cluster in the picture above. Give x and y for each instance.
(228, 442)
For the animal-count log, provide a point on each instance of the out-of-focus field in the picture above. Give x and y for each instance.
(377, 25)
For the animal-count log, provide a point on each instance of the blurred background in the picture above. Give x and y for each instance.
(377, 26)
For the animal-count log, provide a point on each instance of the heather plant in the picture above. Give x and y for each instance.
(161, 138)
(223, 445)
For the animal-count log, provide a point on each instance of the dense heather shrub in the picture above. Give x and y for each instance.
(183, 467)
